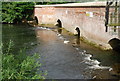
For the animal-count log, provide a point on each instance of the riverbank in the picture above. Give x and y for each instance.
(82, 38)
(20, 65)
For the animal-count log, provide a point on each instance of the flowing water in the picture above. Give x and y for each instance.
(63, 55)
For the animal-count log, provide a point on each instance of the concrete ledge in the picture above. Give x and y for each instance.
(97, 4)
(102, 46)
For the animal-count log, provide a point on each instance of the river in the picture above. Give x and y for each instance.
(63, 55)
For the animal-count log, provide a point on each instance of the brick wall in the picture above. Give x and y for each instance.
(90, 20)
(45, 15)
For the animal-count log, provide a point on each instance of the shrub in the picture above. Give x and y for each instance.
(21, 66)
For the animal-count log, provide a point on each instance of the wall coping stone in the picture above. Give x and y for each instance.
(94, 4)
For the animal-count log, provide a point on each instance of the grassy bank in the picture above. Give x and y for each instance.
(20, 66)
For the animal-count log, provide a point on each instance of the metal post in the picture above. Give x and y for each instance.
(107, 16)
(115, 16)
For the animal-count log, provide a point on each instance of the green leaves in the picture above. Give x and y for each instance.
(16, 67)
(13, 12)
(21, 65)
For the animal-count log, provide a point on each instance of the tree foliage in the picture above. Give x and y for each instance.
(13, 12)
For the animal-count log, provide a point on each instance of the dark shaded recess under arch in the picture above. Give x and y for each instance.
(78, 32)
(115, 44)
(36, 20)
(59, 23)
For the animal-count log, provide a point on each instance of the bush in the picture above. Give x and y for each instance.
(21, 66)
(14, 12)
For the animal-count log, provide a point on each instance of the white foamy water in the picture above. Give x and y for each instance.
(61, 37)
(77, 48)
(87, 57)
(100, 67)
(93, 63)
(84, 51)
(66, 41)
(58, 34)
(44, 28)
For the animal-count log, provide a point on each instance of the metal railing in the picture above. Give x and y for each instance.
(112, 14)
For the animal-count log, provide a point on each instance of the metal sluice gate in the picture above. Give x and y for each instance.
(112, 14)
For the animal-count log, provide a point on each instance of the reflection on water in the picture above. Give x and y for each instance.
(78, 41)
(59, 30)
(116, 69)
(70, 56)
(22, 36)
(46, 35)
(104, 58)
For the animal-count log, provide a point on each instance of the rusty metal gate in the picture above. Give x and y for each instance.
(112, 15)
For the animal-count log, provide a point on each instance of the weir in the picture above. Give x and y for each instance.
(94, 19)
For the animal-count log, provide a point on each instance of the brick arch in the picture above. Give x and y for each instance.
(115, 44)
